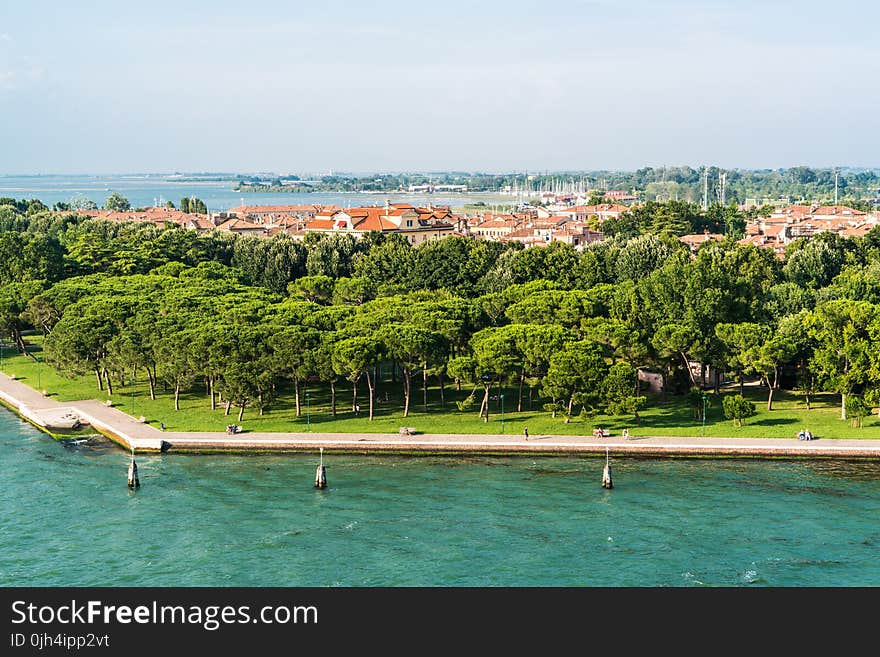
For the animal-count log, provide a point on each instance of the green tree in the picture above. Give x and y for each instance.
(117, 203)
(576, 374)
(354, 358)
(845, 345)
(620, 391)
(737, 408)
(857, 410)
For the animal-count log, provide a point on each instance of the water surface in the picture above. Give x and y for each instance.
(67, 518)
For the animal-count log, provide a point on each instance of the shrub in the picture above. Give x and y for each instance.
(856, 410)
(738, 408)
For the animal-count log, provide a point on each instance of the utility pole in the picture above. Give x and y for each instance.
(705, 188)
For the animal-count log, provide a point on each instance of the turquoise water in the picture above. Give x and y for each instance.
(67, 518)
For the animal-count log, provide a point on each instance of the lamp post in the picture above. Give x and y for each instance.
(703, 430)
(502, 413)
(308, 412)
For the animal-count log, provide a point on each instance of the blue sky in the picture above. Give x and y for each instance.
(384, 86)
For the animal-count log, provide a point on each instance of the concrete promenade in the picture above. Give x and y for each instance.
(129, 433)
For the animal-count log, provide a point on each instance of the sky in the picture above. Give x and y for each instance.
(487, 86)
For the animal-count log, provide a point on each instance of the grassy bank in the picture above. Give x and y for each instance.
(671, 418)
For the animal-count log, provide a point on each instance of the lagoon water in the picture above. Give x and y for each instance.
(68, 519)
(144, 190)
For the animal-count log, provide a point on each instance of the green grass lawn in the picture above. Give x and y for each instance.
(671, 418)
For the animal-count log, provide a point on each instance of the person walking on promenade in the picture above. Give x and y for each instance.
(526, 432)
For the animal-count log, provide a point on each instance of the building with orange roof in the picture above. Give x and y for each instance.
(242, 227)
(418, 225)
(695, 241)
(601, 211)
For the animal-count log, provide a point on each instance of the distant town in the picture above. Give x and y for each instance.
(577, 220)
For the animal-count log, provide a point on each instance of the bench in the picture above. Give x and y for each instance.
(407, 431)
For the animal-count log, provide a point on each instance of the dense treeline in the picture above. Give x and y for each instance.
(682, 183)
(243, 318)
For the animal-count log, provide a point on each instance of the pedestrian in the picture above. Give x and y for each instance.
(162, 424)
(357, 409)
(526, 432)
(626, 434)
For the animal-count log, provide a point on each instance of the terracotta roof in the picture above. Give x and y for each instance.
(700, 238)
(238, 224)
(320, 224)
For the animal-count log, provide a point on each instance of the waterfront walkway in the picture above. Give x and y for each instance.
(130, 433)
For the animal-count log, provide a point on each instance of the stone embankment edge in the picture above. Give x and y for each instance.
(384, 444)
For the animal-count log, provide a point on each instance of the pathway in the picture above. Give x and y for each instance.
(130, 433)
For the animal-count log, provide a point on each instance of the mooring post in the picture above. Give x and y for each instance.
(321, 474)
(606, 472)
(133, 481)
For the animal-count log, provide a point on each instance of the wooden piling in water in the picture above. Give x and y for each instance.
(321, 474)
(133, 481)
(606, 472)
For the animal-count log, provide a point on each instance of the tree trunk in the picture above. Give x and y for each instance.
(484, 407)
(842, 406)
(176, 395)
(240, 412)
(742, 385)
(442, 392)
(458, 385)
(296, 395)
(570, 406)
(370, 388)
(773, 387)
(19, 342)
(687, 366)
(152, 380)
(425, 388)
(260, 399)
(522, 378)
(333, 398)
(211, 391)
(109, 384)
(100, 380)
(354, 397)
(406, 391)
(228, 406)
